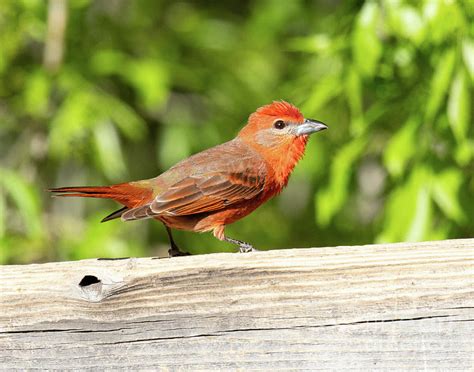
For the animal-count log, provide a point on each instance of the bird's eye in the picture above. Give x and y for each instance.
(279, 124)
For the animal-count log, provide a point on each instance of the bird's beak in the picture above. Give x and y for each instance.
(309, 126)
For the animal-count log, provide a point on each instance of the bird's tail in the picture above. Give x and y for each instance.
(124, 193)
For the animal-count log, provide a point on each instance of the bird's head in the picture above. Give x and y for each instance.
(279, 132)
(278, 125)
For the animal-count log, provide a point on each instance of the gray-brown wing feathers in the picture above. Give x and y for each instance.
(202, 194)
(232, 180)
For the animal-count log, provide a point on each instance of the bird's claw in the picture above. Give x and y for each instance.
(245, 248)
(175, 252)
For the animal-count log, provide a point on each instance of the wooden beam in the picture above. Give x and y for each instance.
(397, 306)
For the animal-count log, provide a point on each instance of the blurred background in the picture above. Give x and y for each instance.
(107, 91)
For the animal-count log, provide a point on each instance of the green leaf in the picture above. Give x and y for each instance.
(3, 214)
(150, 78)
(82, 111)
(27, 201)
(440, 83)
(406, 22)
(353, 87)
(71, 123)
(78, 4)
(468, 55)
(401, 148)
(317, 43)
(420, 223)
(108, 150)
(408, 211)
(107, 62)
(326, 89)
(360, 118)
(174, 145)
(444, 18)
(464, 152)
(36, 93)
(358, 125)
(446, 187)
(366, 46)
(127, 120)
(103, 240)
(459, 106)
(411, 24)
(329, 200)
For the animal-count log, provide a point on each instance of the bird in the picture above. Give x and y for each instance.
(218, 186)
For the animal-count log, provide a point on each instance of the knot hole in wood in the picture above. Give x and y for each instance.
(91, 287)
(88, 280)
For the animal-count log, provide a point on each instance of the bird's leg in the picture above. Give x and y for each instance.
(243, 246)
(174, 251)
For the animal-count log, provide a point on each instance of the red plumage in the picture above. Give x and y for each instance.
(281, 108)
(218, 186)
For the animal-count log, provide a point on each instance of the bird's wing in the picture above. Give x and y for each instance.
(238, 180)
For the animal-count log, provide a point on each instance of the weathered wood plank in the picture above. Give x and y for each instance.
(400, 306)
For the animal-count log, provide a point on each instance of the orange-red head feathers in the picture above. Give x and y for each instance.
(279, 132)
(281, 109)
(265, 116)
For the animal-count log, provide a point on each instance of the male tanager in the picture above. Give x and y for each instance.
(220, 185)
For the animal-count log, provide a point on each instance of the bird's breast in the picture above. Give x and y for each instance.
(282, 160)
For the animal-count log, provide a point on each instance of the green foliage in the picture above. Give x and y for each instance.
(366, 45)
(144, 84)
(332, 198)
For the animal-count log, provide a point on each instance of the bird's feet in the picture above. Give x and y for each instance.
(246, 247)
(243, 246)
(175, 252)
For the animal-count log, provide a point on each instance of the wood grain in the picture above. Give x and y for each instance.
(396, 306)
